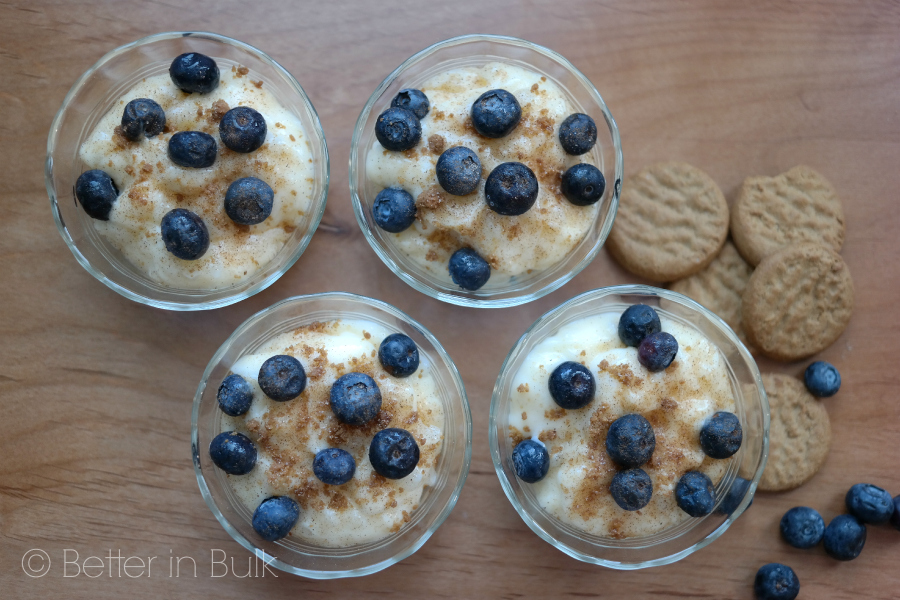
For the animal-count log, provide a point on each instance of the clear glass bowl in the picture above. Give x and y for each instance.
(295, 556)
(94, 94)
(477, 50)
(752, 407)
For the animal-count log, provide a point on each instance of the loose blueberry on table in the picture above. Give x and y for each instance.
(468, 270)
(192, 149)
(802, 527)
(394, 453)
(141, 117)
(274, 518)
(721, 435)
(282, 378)
(531, 460)
(572, 385)
(458, 171)
(184, 234)
(412, 100)
(394, 210)
(637, 322)
(194, 72)
(496, 113)
(844, 537)
(695, 494)
(511, 189)
(630, 441)
(631, 489)
(399, 355)
(578, 134)
(657, 351)
(822, 379)
(334, 466)
(398, 129)
(249, 201)
(243, 129)
(776, 581)
(233, 452)
(355, 399)
(234, 396)
(869, 503)
(96, 192)
(583, 184)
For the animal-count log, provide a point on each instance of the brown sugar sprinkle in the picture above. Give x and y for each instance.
(138, 196)
(516, 436)
(292, 137)
(405, 517)
(556, 413)
(668, 404)
(288, 228)
(513, 231)
(622, 374)
(412, 418)
(547, 435)
(522, 389)
(436, 144)
(293, 192)
(339, 502)
(242, 70)
(367, 335)
(431, 256)
(430, 198)
(130, 170)
(146, 169)
(534, 88)
(119, 137)
(410, 153)
(524, 416)
(258, 84)
(215, 113)
(280, 126)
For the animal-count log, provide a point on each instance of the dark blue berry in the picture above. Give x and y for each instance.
(458, 171)
(249, 201)
(394, 210)
(468, 270)
(399, 355)
(802, 527)
(822, 379)
(242, 129)
(511, 189)
(578, 134)
(631, 489)
(334, 466)
(844, 537)
(776, 581)
(96, 192)
(869, 503)
(233, 452)
(895, 516)
(657, 351)
(184, 234)
(531, 461)
(194, 72)
(398, 129)
(695, 494)
(235, 395)
(274, 518)
(192, 149)
(282, 378)
(583, 184)
(394, 453)
(637, 322)
(355, 399)
(412, 100)
(721, 435)
(572, 385)
(142, 116)
(734, 496)
(496, 113)
(630, 441)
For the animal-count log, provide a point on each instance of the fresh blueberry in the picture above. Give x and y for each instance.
(194, 72)
(282, 378)
(657, 351)
(776, 581)
(412, 100)
(822, 379)
(242, 129)
(249, 201)
(394, 209)
(235, 395)
(695, 494)
(468, 270)
(184, 234)
(631, 489)
(531, 460)
(398, 129)
(869, 503)
(399, 355)
(802, 527)
(578, 134)
(511, 189)
(233, 452)
(394, 453)
(583, 184)
(845, 537)
(96, 192)
(142, 116)
(458, 171)
(274, 518)
(735, 496)
(572, 385)
(496, 113)
(895, 517)
(721, 435)
(192, 149)
(334, 466)
(630, 441)
(355, 399)
(637, 322)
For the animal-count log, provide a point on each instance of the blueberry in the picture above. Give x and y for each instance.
(194, 72)
(468, 270)
(142, 116)
(637, 322)
(334, 466)
(242, 129)
(869, 503)
(398, 129)
(282, 378)
(695, 494)
(233, 452)
(572, 385)
(394, 453)
(657, 351)
(412, 100)
(845, 537)
(496, 113)
(184, 234)
(394, 210)
(531, 460)
(631, 489)
(192, 149)
(274, 518)
(249, 201)
(458, 171)
(399, 355)
(583, 184)
(822, 379)
(235, 395)
(802, 527)
(721, 435)
(776, 581)
(630, 441)
(511, 189)
(578, 134)
(734, 496)
(96, 192)
(895, 517)
(355, 399)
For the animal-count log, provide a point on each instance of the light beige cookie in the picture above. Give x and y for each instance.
(798, 302)
(799, 434)
(672, 221)
(794, 207)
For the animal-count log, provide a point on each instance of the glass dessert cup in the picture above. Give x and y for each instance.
(294, 555)
(674, 543)
(478, 50)
(92, 96)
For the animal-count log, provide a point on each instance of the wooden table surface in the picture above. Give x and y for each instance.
(96, 389)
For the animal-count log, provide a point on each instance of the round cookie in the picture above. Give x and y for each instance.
(794, 207)
(671, 223)
(799, 434)
(798, 302)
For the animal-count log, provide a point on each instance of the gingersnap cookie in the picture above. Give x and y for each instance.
(794, 207)
(799, 434)
(671, 223)
(797, 302)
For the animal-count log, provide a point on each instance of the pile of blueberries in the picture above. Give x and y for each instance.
(248, 200)
(355, 400)
(511, 189)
